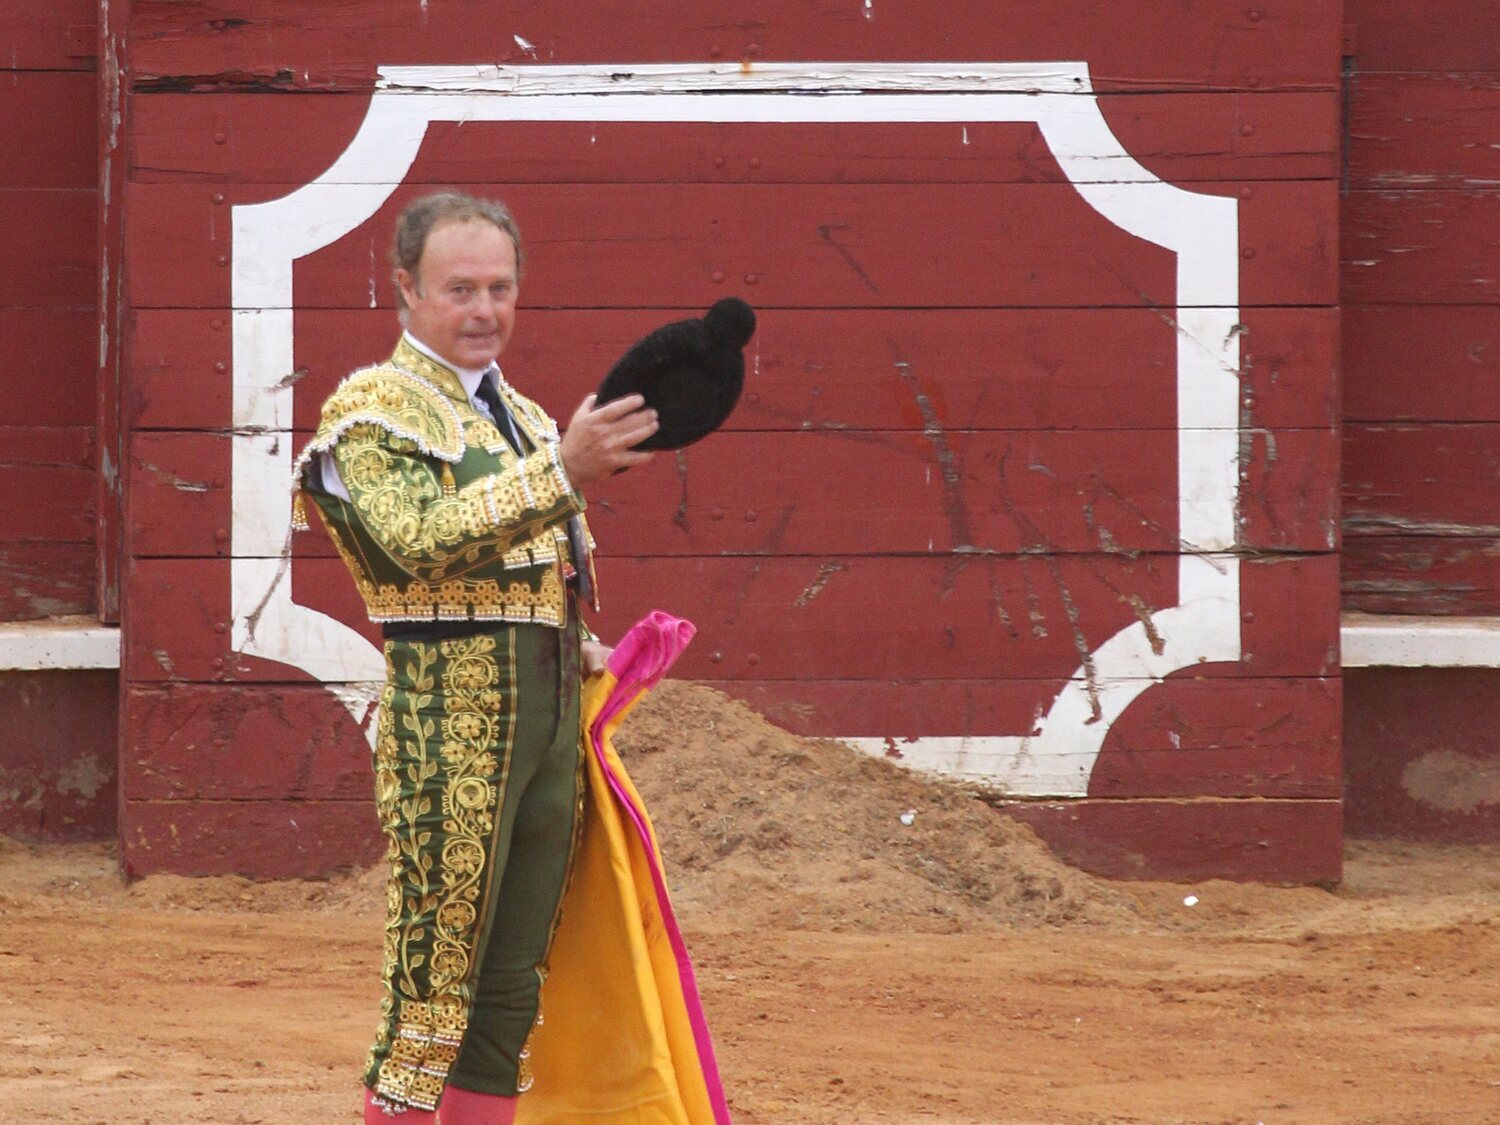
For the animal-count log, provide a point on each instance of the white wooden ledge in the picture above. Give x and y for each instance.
(1372, 640)
(58, 644)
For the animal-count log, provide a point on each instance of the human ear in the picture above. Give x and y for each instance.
(410, 285)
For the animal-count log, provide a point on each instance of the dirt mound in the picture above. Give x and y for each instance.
(760, 828)
(763, 828)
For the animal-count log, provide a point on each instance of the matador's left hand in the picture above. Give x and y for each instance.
(592, 657)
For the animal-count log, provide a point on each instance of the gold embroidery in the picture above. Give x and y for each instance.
(433, 909)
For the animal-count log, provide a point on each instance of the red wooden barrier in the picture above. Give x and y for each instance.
(1423, 402)
(956, 472)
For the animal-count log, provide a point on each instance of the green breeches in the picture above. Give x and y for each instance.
(478, 777)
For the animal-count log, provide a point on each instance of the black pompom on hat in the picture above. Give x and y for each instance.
(690, 372)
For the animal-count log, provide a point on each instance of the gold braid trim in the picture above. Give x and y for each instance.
(429, 1031)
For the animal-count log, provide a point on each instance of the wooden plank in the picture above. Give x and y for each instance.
(1188, 841)
(816, 493)
(1133, 44)
(1420, 247)
(46, 579)
(1184, 138)
(41, 35)
(1186, 737)
(49, 125)
(49, 363)
(46, 484)
(260, 839)
(192, 742)
(53, 232)
(50, 446)
(1421, 761)
(824, 246)
(1421, 363)
(58, 761)
(1436, 35)
(1204, 737)
(1427, 575)
(1432, 479)
(1410, 131)
(790, 618)
(1087, 369)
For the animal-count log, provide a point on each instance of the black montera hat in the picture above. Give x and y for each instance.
(690, 372)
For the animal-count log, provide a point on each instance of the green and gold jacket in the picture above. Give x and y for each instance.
(445, 521)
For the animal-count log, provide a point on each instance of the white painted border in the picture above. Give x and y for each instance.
(1054, 759)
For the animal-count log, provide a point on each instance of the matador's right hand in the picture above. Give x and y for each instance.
(598, 440)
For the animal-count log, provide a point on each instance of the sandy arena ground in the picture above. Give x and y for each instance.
(855, 969)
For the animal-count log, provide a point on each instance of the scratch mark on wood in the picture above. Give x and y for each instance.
(680, 517)
(932, 429)
(997, 601)
(825, 232)
(1033, 605)
(1080, 642)
(820, 580)
(174, 480)
(1143, 615)
(1381, 521)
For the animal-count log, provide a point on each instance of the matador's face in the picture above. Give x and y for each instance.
(461, 301)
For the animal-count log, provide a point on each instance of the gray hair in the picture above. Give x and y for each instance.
(422, 215)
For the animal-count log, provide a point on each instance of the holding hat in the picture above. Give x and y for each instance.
(690, 372)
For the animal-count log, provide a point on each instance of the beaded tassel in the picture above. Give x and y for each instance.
(449, 488)
(299, 511)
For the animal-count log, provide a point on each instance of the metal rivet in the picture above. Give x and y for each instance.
(755, 162)
(1246, 193)
(716, 514)
(223, 259)
(718, 162)
(753, 50)
(1250, 617)
(751, 278)
(715, 657)
(1248, 252)
(220, 627)
(221, 367)
(752, 398)
(718, 275)
(216, 322)
(220, 138)
(751, 517)
(221, 535)
(1247, 130)
(752, 659)
(1252, 81)
(715, 51)
(218, 197)
(1253, 15)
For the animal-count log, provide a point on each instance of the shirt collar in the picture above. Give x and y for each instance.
(469, 377)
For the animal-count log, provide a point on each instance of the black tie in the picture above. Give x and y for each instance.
(490, 396)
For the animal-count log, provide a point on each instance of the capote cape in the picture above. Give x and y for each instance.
(623, 1040)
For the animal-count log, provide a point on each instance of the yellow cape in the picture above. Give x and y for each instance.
(623, 1040)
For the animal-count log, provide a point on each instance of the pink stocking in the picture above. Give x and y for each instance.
(375, 1115)
(465, 1107)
